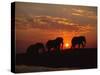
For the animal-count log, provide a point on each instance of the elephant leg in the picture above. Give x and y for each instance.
(83, 45)
(79, 46)
(58, 48)
(35, 52)
(49, 50)
(61, 46)
(73, 46)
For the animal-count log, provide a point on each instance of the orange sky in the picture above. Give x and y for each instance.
(42, 22)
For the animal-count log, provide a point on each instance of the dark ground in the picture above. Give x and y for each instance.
(83, 58)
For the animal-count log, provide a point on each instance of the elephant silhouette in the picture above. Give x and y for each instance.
(80, 41)
(35, 49)
(55, 44)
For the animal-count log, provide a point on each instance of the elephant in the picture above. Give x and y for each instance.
(56, 44)
(35, 49)
(80, 41)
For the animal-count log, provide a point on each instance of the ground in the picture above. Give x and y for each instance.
(68, 59)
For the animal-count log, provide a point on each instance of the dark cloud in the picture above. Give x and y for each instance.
(50, 23)
(55, 17)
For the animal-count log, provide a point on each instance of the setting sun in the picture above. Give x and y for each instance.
(66, 45)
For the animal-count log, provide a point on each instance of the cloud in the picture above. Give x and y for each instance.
(84, 13)
(50, 23)
(78, 10)
(77, 14)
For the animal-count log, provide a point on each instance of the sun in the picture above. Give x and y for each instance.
(67, 45)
